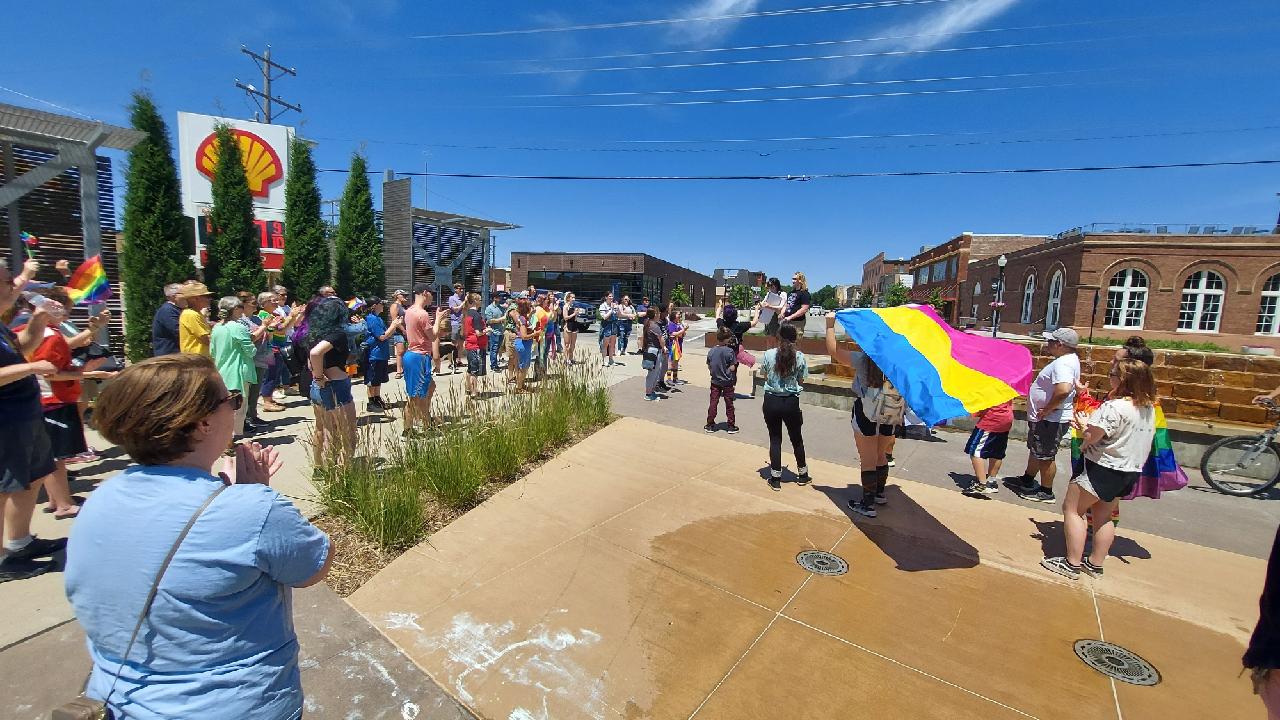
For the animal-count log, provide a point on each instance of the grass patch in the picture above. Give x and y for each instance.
(394, 491)
(1167, 345)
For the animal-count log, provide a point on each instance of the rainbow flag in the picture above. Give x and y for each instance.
(941, 372)
(355, 304)
(88, 284)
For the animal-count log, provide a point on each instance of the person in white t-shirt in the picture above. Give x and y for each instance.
(1117, 441)
(1049, 406)
(770, 309)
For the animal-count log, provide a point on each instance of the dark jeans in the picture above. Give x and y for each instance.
(272, 379)
(252, 414)
(780, 410)
(713, 409)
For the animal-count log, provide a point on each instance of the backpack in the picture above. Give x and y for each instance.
(887, 406)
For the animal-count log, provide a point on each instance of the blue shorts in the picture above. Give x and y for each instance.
(333, 395)
(987, 444)
(524, 352)
(417, 373)
(608, 329)
(397, 339)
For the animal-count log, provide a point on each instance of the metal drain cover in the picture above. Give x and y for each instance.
(1117, 663)
(821, 562)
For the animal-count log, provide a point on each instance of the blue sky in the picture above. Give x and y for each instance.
(1115, 82)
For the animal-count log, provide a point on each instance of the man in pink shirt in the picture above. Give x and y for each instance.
(420, 336)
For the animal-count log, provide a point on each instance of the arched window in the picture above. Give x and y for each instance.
(1126, 299)
(1267, 312)
(1053, 309)
(1201, 307)
(977, 293)
(1028, 295)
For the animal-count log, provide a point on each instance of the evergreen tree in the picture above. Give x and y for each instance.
(358, 244)
(306, 249)
(235, 259)
(155, 250)
(866, 298)
(680, 296)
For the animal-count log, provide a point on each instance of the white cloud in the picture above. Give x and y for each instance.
(935, 29)
(707, 30)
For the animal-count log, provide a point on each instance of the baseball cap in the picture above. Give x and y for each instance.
(1064, 335)
(372, 300)
(195, 289)
(421, 288)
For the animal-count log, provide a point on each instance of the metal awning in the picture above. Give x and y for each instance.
(45, 130)
(442, 218)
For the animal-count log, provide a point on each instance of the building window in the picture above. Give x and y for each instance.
(977, 294)
(1126, 299)
(1053, 310)
(938, 271)
(1267, 314)
(1201, 307)
(1028, 295)
(922, 275)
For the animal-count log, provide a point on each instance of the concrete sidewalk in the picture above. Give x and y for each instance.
(650, 572)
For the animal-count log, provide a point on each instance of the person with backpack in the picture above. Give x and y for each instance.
(784, 369)
(878, 410)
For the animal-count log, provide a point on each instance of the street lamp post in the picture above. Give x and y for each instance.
(995, 318)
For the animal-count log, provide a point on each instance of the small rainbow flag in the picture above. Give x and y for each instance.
(88, 284)
(30, 241)
(941, 372)
(355, 304)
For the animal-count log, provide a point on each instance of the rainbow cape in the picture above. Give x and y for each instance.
(941, 372)
(88, 284)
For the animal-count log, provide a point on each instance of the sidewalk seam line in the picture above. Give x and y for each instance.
(1102, 635)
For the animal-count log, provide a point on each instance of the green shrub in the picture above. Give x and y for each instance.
(1167, 345)
(381, 490)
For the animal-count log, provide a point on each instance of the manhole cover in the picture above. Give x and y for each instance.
(1116, 662)
(822, 562)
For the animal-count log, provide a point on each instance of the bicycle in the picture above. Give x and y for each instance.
(1246, 464)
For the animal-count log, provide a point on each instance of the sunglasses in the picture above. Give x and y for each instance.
(233, 398)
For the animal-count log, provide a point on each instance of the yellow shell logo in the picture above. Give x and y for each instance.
(262, 166)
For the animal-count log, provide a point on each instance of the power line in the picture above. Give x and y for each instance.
(46, 102)
(1013, 141)
(818, 43)
(844, 7)
(808, 98)
(810, 58)
(834, 176)
(807, 86)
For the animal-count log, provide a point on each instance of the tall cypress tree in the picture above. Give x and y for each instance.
(235, 260)
(156, 250)
(359, 246)
(306, 249)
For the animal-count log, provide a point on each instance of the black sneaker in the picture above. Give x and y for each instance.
(1021, 486)
(676, 390)
(889, 461)
(1041, 496)
(803, 478)
(11, 569)
(881, 499)
(775, 483)
(709, 427)
(37, 548)
(1094, 570)
(863, 509)
(1062, 567)
(732, 429)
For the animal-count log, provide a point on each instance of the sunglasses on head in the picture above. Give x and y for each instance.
(233, 398)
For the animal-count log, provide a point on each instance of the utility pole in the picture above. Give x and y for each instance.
(263, 97)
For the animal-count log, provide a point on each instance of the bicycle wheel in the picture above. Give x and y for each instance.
(1241, 466)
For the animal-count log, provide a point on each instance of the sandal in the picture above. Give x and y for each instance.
(64, 515)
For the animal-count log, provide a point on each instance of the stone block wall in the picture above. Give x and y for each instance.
(1191, 385)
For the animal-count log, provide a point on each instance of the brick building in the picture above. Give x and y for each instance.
(879, 273)
(1170, 283)
(591, 275)
(946, 267)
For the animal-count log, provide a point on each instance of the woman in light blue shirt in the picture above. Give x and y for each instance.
(785, 370)
(218, 641)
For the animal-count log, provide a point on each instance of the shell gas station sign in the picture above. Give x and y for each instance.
(264, 149)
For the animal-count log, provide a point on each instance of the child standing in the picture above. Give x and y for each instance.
(722, 361)
(986, 447)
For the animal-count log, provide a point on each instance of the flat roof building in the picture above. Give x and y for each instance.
(593, 275)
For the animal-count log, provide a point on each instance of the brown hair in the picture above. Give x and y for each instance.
(723, 334)
(58, 294)
(152, 407)
(875, 376)
(523, 307)
(247, 297)
(786, 355)
(1136, 382)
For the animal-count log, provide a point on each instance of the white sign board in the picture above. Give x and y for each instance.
(264, 149)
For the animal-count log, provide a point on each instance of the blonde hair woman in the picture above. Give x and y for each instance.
(798, 303)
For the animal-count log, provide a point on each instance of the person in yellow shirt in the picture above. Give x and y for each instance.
(193, 327)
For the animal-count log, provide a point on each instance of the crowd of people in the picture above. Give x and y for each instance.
(219, 362)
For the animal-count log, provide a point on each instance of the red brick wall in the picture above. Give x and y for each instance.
(1089, 262)
(522, 263)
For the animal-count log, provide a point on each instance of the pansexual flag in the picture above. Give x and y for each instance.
(88, 284)
(941, 372)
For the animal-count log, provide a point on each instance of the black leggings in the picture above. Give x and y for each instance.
(780, 409)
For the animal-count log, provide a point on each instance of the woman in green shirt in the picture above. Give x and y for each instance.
(785, 370)
(233, 350)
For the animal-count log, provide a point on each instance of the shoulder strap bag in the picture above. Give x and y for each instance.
(86, 708)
